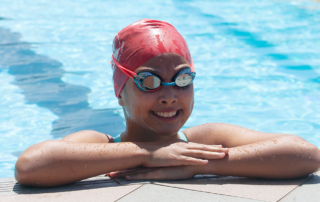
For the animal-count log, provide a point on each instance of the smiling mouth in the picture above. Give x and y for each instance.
(167, 115)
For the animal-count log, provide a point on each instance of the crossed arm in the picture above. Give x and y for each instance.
(258, 154)
(251, 154)
(88, 153)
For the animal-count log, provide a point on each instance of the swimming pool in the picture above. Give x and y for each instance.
(257, 66)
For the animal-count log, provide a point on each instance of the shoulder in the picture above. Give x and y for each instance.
(89, 136)
(227, 135)
(203, 134)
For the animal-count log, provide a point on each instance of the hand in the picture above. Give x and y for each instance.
(164, 154)
(164, 173)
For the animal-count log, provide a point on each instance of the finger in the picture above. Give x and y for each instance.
(210, 149)
(204, 154)
(204, 147)
(192, 161)
(219, 146)
(108, 174)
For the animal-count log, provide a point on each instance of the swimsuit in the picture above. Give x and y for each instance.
(181, 135)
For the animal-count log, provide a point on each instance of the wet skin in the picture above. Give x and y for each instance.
(143, 124)
(151, 142)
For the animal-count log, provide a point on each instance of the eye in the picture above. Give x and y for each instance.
(151, 82)
(183, 80)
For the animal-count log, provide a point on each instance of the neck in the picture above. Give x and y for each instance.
(136, 133)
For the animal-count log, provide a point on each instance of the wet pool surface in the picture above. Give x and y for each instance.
(257, 65)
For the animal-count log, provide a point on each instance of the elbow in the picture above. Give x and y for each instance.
(305, 155)
(311, 153)
(315, 157)
(29, 164)
(312, 160)
(24, 168)
(22, 171)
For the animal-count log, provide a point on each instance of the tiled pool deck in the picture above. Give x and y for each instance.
(201, 188)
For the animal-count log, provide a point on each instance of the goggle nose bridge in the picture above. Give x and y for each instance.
(168, 84)
(138, 77)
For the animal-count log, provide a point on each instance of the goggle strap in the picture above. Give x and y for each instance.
(192, 67)
(129, 73)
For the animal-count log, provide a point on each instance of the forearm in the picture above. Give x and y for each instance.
(283, 157)
(56, 162)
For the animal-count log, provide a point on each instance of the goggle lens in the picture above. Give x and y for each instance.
(183, 80)
(151, 82)
(146, 81)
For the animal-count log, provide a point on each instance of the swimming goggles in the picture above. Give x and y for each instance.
(147, 81)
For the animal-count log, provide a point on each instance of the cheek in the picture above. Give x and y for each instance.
(192, 100)
(187, 96)
(191, 104)
(137, 102)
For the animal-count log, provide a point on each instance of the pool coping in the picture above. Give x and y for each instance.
(204, 187)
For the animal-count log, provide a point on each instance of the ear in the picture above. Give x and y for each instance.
(120, 100)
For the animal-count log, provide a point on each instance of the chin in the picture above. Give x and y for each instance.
(167, 132)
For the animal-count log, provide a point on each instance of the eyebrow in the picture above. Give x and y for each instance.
(150, 70)
(180, 67)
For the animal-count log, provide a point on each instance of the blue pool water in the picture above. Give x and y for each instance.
(257, 63)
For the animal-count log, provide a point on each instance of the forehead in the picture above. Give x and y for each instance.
(165, 62)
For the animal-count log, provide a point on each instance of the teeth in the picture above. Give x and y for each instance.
(166, 114)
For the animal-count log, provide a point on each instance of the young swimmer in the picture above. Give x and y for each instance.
(153, 75)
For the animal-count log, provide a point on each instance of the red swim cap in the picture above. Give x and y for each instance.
(139, 42)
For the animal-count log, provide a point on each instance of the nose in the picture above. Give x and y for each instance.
(168, 95)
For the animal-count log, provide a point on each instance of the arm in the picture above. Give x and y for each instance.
(88, 153)
(75, 157)
(251, 154)
(257, 154)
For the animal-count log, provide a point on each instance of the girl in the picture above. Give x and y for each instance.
(153, 75)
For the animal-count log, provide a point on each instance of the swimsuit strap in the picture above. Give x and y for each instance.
(182, 136)
(117, 139)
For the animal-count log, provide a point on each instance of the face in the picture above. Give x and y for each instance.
(163, 111)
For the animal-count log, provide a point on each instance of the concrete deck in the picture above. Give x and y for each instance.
(200, 188)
